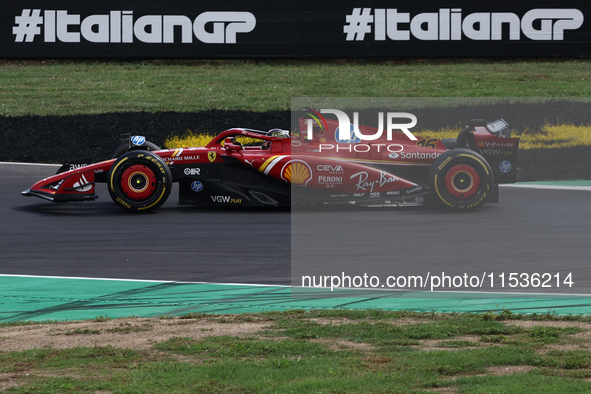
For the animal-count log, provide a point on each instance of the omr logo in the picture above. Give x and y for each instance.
(296, 172)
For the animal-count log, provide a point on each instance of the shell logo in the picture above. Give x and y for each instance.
(296, 172)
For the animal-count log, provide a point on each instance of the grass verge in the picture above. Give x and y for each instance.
(92, 87)
(315, 351)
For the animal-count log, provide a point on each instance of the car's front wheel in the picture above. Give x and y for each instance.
(461, 179)
(139, 181)
(127, 147)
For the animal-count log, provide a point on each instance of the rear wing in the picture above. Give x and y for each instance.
(493, 141)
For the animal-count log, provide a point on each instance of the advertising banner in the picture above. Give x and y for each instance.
(239, 29)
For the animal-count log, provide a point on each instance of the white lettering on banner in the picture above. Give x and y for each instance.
(447, 24)
(119, 27)
(240, 22)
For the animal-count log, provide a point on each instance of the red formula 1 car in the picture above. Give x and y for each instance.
(279, 170)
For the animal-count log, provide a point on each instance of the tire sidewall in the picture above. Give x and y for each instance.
(123, 148)
(452, 158)
(154, 163)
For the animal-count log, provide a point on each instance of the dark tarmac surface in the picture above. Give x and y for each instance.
(532, 231)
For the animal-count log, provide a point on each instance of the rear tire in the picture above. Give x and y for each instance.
(139, 181)
(460, 179)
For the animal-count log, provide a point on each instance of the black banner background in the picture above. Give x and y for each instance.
(299, 29)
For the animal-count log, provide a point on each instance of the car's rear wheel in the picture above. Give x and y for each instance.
(139, 181)
(460, 179)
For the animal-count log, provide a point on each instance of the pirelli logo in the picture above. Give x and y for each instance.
(444, 163)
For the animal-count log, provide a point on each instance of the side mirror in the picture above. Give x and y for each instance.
(232, 147)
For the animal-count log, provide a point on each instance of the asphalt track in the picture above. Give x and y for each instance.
(98, 239)
(531, 230)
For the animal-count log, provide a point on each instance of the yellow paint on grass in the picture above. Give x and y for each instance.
(549, 137)
(189, 140)
(561, 136)
(193, 139)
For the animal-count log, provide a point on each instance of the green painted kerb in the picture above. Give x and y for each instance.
(39, 299)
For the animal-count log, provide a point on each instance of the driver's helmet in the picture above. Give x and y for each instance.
(279, 133)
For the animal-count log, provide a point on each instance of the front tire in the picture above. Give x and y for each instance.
(461, 179)
(127, 147)
(139, 181)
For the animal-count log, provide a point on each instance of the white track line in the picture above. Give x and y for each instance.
(138, 280)
(30, 164)
(548, 187)
(311, 288)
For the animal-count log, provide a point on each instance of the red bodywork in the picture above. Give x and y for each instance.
(384, 172)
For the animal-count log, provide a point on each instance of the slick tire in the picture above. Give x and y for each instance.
(139, 181)
(460, 179)
(124, 147)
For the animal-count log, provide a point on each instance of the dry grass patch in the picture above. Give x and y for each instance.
(444, 390)
(556, 324)
(509, 370)
(340, 321)
(343, 344)
(12, 379)
(438, 345)
(129, 333)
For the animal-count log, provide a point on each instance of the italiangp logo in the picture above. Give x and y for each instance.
(450, 24)
(120, 26)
